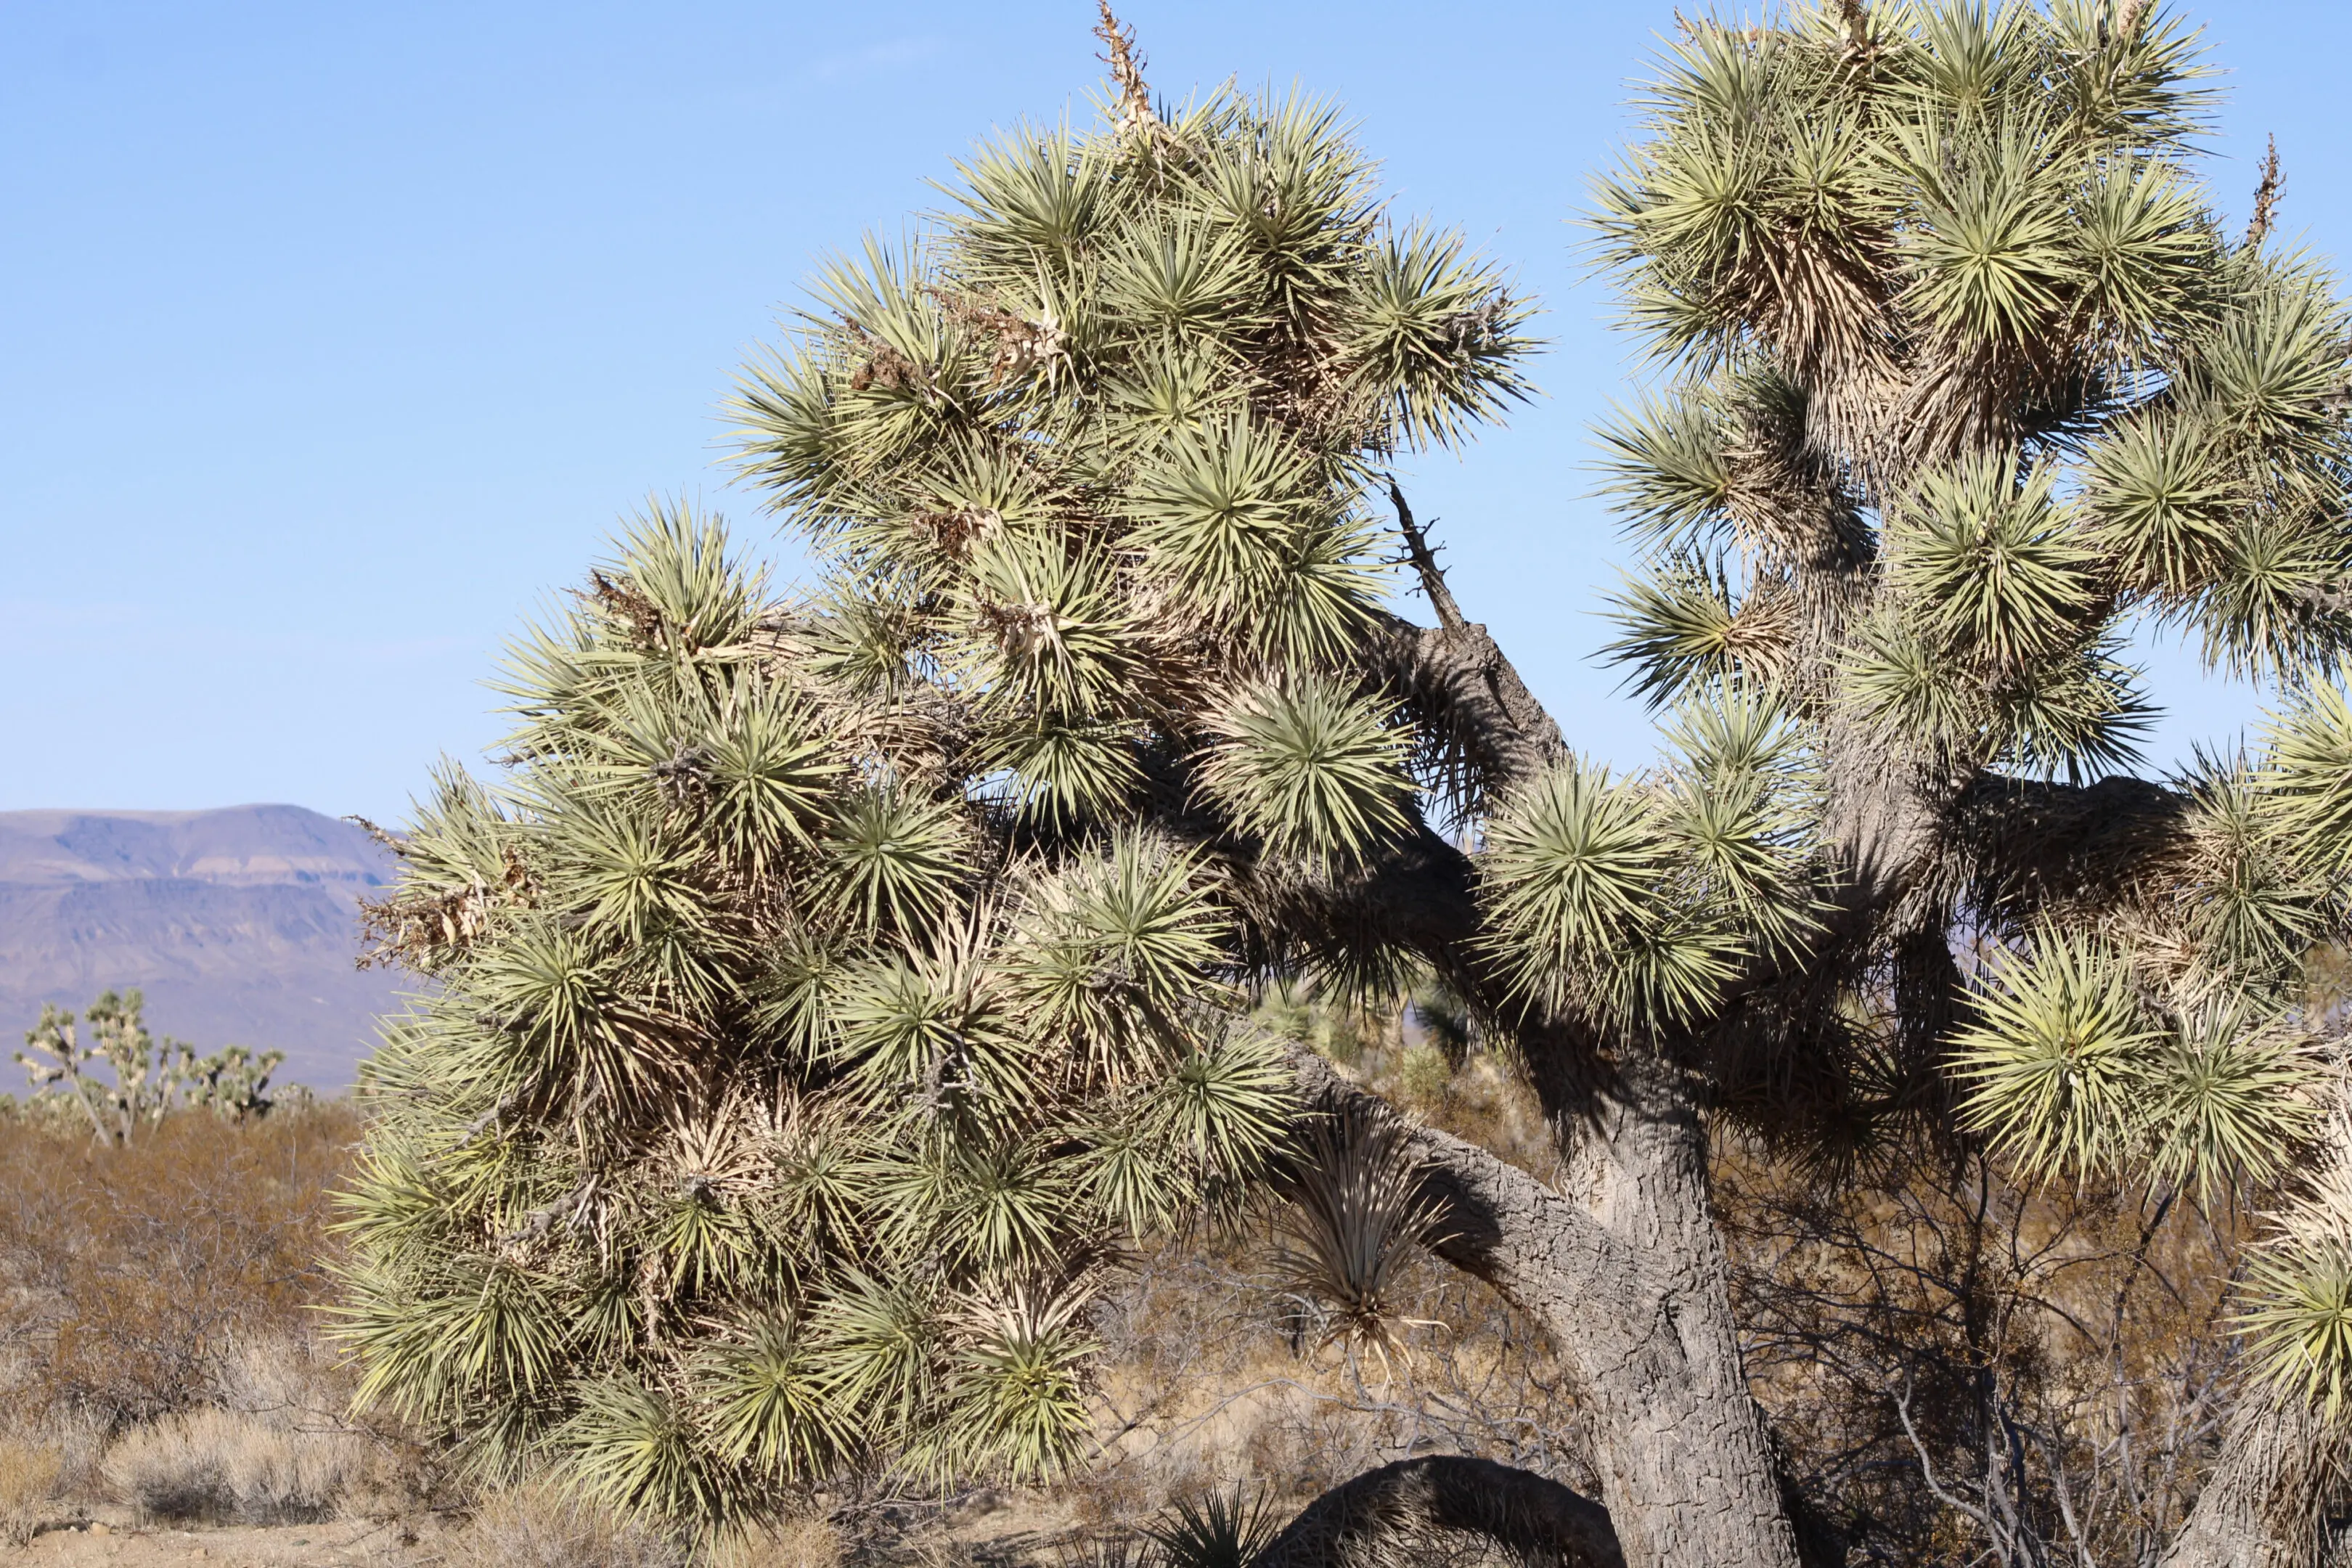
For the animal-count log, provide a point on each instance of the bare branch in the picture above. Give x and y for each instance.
(1126, 62)
(1408, 1512)
(2266, 196)
(1927, 1467)
(385, 836)
(1425, 564)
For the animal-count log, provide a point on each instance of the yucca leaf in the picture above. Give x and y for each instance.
(1308, 767)
(2059, 1060)
(630, 1445)
(893, 859)
(771, 1411)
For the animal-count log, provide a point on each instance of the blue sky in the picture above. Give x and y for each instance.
(333, 337)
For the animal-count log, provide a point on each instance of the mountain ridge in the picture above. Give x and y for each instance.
(240, 924)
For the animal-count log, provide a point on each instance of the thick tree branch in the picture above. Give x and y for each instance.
(2266, 1503)
(1537, 1246)
(1486, 731)
(1446, 1508)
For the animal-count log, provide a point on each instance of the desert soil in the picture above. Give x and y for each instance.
(995, 1533)
(353, 1544)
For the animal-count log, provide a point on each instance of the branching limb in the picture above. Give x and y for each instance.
(1538, 1248)
(1486, 731)
(1424, 565)
(1407, 1514)
(1927, 1469)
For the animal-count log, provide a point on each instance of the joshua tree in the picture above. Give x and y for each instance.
(838, 979)
(149, 1081)
(1963, 375)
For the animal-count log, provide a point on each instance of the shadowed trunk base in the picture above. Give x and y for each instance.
(1446, 1511)
(2266, 1504)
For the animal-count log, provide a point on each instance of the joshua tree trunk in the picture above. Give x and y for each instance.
(1629, 1278)
(2264, 1505)
(1679, 1441)
(1628, 1274)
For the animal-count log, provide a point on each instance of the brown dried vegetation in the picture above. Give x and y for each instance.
(1929, 1349)
(159, 1318)
(131, 1276)
(1957, 1356)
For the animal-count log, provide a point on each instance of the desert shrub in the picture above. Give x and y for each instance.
(224, 1465)
(28, 1481)
(548, 1527)
(1425, 1076)
(1216, 1530)
(2091, 1321)
(130, 1274)
(791, 1543)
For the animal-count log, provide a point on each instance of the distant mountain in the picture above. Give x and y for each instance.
(241, 925)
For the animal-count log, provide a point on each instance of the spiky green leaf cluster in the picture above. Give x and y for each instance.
(1634, 903)
(1961, 384)
(1092, 451)
(2072, 1070)
(1945, 297)
(2177, 1039)
(771, 1113)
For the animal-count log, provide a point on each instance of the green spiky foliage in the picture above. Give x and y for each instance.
(1217, 1530)
(836, 979)
(1357, 1219)
(833, 982)
(1960, 379)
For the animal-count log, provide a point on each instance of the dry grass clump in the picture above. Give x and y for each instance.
(224, 1465)
(538, 1526)
(28, 1484)
(789, 1543)
(158, 1320)
(276, 1448)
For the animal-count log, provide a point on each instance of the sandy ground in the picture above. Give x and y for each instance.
(995, 1534)
(345, 1543)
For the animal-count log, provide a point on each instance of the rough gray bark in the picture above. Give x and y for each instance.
(1628, 1276)
(1486, 729)
(1446, 1512)
(2266, 1504)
